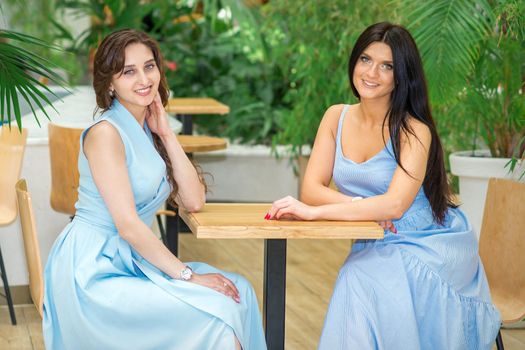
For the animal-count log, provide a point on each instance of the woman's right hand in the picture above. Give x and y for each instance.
(217, 282)
(388, 225)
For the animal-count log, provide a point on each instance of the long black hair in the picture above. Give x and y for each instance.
(408, 99)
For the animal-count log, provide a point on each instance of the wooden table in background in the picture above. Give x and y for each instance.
(195, 144)
(246, 221)
(185, 108)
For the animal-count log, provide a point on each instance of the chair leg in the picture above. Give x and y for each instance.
(499, 341)
(7, 291)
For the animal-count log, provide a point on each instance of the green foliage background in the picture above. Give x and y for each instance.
(311, 42)
(281, 65)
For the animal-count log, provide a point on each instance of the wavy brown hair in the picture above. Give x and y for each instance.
(110, 60)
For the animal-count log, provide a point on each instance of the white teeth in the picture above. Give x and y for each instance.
(369, 84)
(143, 90)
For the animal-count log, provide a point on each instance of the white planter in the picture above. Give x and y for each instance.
(474, 171)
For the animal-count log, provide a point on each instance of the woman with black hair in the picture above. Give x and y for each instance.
(423, 286)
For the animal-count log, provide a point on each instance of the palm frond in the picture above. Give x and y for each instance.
(449, 34)
(16, 66)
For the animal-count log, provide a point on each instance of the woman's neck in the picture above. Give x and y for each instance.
(138, 112)
(373, 112)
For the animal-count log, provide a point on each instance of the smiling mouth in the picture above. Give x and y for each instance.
(145, 91)
(369, 84)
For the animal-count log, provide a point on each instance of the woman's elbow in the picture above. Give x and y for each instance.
(126, 227)
(307, 195)
(397, 209)
(195, 205)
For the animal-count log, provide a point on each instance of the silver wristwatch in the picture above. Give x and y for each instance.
(186, 273)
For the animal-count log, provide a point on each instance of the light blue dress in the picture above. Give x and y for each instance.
(422, 288)
(101, 294)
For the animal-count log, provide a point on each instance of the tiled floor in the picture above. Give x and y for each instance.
(309, 284)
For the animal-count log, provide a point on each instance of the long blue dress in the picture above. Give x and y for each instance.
(422, 288)
(101, 294)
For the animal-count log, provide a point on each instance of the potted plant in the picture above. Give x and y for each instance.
(474, 54)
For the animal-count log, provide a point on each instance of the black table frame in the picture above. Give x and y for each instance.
(274, 292)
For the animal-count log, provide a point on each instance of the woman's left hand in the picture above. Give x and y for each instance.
(157, 118)
(290, 208)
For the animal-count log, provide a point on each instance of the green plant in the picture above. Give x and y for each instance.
(474, 53)
(16, 64)
(311, 43)
(219, 58)
(217, 49)
(45, 24)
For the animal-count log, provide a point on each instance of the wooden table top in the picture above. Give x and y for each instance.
(192, 144)
(191, 106)
(246, 220)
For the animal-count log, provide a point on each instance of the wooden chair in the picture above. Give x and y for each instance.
(64, 145)
(502, 247)
(31, 246)
(12, 146)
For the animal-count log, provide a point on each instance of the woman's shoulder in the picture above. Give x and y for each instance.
(419, 130)
(102, 131)
(333, 113)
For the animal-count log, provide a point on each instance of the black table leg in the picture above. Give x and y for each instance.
(172, 231)
(187, 124)
(274, 294)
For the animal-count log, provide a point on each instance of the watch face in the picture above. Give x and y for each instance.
(186, 274)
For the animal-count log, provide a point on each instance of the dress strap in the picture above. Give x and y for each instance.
(339, 148)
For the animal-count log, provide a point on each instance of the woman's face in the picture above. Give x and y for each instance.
(136, 86)
(374, 72)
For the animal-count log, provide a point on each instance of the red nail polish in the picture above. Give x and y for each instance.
(267, 216)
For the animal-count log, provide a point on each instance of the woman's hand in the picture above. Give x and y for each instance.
(217, 282)
(157, 118)
(290, 208)
(387, 225)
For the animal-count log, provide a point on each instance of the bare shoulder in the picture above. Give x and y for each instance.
(421, 132)
(102, 135)
(331, 117)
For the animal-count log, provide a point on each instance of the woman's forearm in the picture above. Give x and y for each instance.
(191, 190)
(142, 239)
(375, 208)
(318, 194)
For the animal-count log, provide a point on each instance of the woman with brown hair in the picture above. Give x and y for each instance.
(109, 282)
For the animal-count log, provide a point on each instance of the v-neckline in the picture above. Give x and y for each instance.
(341, 126)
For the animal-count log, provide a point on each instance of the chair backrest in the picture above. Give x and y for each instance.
(64, 145)
(502, 247)
(12, 146)
(31, 246)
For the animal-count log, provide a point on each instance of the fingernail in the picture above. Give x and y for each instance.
(266, 216)
(395, 231)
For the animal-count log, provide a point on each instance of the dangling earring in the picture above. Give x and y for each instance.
(111, 93)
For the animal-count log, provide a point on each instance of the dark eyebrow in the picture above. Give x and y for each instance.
(367, 55)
